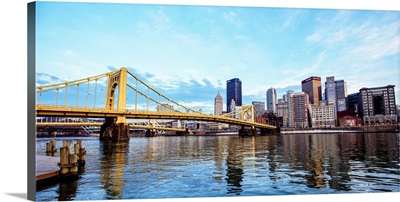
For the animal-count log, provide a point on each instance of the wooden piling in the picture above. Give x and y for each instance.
(64, 161)
(73, 162)
(51, 148)
(81, 154)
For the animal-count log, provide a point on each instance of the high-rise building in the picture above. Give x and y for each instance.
(218, 104)
(312, 86)
(282, 111)
(233, 92)
(259, 108)
(378, 105)
(353, 102)
(298, 109)
(341, 95)
(271, 100)
(336, 91)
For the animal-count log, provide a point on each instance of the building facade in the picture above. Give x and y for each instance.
(233, 92)
(218, 105)
(323, 116)
(259, 108)
(353, 103)
(336, 91)
(282, 111)
(165, 107)
(378, 105)
(271, 100)
(312, 86)
(298, 109)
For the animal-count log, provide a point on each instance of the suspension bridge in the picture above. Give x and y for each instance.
(125, 96)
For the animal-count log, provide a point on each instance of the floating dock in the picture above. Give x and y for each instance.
(46, 167)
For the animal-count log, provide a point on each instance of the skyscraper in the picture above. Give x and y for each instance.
(218, 104)
(298, 110)
(233, 92)
(336, 91)
(312, 86)
(259, 108)
(271, 100)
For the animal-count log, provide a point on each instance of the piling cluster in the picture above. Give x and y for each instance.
(51, 149)
(69, 162)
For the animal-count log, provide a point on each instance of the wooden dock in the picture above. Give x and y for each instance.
(46, 167)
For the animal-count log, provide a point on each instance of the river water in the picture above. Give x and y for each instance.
(223, 166)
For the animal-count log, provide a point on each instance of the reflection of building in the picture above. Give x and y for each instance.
(259, 108)
(271, 100)
(233, 92)
(298, 104)
(218, 105)
(312, 86)
(323, 116)
(378, 105)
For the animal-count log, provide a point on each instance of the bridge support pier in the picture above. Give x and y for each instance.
(150, 133)
(243, 132)
(264, 131)
(115, 132)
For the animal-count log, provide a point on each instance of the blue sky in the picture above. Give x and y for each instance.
(189, 52)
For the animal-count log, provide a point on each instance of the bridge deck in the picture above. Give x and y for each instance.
(46, 167)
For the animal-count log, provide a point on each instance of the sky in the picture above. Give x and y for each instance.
(189, 52)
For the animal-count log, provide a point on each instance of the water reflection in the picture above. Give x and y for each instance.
(207, 166)
(112, 165)
(234, 167)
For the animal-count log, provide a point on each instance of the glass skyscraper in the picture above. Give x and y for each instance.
(233, 92)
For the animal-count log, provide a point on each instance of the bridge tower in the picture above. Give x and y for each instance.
(116, 130)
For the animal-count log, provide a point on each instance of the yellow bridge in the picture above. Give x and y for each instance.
(116, 109)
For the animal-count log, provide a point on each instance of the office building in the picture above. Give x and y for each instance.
(312, 86)
(378, 105)
(271, 100)
(323, 116)
(353, 103)
(218, 105)
(298, 109)
(282, 111)
(165, 107)
(233, 92)
(259, 108)
(336, 91)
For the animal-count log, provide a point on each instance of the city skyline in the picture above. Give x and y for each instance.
(189, 52)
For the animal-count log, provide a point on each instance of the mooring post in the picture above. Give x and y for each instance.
(64, 161)
(67, 143)
(73, 161)
(51, 148)
(81, 153)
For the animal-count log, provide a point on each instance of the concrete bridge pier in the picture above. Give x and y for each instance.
(115, 132)
(244, 132)
(150, 133)
(183, 133)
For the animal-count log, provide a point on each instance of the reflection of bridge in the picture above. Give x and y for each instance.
(115, 110)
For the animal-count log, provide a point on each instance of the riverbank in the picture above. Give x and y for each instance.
(359, 129)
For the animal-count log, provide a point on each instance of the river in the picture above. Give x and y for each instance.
(223, 166)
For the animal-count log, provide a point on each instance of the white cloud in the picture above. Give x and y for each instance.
(233, 19)
(68, 52)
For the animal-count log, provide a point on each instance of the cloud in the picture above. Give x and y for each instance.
(233, 19)
(44, 79)
(68, 52)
